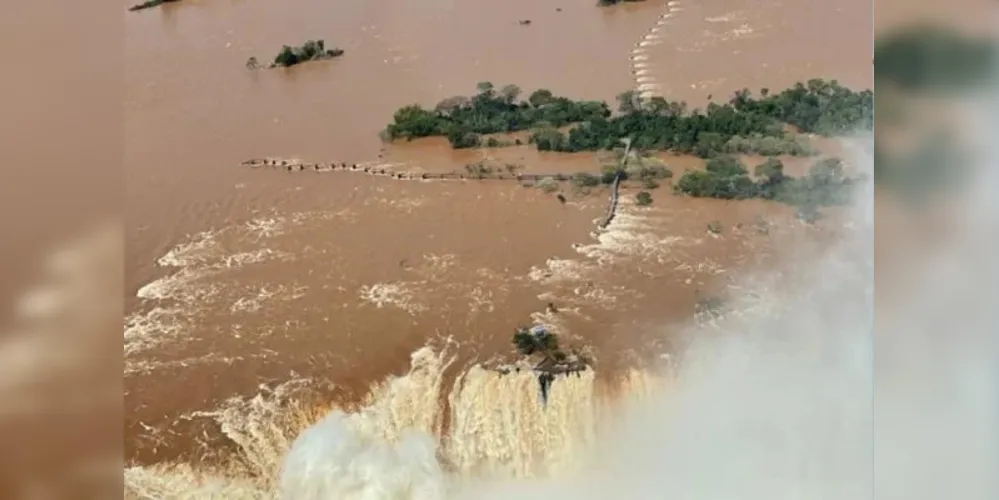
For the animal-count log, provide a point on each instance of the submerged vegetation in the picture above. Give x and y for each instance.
(744, 125)
(148, 4)
(725, 177)
(312, 50)
(643, 198)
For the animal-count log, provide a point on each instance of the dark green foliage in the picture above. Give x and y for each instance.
(927, 57)
(726, 166)
(726, 178)
(817, 106)
(769, 177)
(461, 139)
(743, 125)
(528, 343)
(795, 145)
(490, 112)
(548, 139)
(647, 172)
(643, 198)
(312, 50)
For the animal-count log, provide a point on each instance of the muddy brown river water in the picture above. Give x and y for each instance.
(239, 277)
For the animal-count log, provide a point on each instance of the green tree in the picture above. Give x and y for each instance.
(770, 171)
(540, 341)
(413, 121)
(726, 166)
(541, 97)
(548, 139)
(510, 93)
(485, 88)
(629, 101)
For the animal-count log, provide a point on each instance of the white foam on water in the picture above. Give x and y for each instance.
(399, 294)
(634, 233)
(651, 38)
(560, 270)
(171, 305)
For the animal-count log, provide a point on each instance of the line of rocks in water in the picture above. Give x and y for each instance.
(386, 170)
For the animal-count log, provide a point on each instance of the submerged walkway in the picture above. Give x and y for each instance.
(391, 170)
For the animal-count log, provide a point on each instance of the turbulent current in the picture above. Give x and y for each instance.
(775, 398)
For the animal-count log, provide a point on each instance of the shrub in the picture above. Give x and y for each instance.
(528, 342)
(643, 198)
(548, 185)
(311, 50)
(655, 172)
(611, 173)
(480, 170)
(584, 179)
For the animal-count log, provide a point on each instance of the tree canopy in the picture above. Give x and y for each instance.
(312, 50)
(745, 124)
(725, 177)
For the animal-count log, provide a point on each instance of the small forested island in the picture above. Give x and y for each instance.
(745, 124)
(725, 177)
(312, 50)
(771, 125)
(148, 4)
(538, 342)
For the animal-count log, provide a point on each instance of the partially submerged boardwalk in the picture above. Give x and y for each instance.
(393, 170)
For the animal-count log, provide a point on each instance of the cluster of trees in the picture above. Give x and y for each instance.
(463, 120)
(312, 50)
(725, 177)
(743, 125)
(538, 341)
